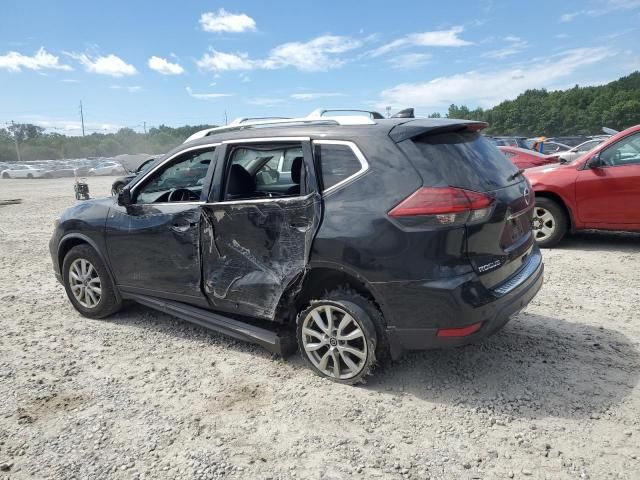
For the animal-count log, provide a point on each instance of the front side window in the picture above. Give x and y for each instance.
(180, 181)
(257, 171)
(336, 162)
(624, 152)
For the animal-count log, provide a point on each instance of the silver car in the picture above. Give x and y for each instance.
(579, 150)
(24, 171)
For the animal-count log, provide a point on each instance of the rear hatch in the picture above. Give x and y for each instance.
(500, 242)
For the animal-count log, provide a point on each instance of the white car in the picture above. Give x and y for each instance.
(107, 168)
(24, 171)
(579, 150)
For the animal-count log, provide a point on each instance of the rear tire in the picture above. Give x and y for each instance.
(88, 284)
(6, 175)
(343, 349)
(550, 222)
(29, 175)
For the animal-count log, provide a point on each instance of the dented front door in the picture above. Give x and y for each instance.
(254, 250)
(155, 248)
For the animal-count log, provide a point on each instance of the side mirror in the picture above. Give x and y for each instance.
(594, 162)
(124, 197)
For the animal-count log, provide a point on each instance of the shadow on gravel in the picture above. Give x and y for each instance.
(146, 318)
(602, 241)
(535, 367)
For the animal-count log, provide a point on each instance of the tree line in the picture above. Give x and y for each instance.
(35, 144)
(577, 111)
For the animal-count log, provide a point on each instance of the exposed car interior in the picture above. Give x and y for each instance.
(261, 171)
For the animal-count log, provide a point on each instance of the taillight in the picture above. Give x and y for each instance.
(443, 206)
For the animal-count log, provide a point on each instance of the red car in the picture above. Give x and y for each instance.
(599, 190)
(523, 158)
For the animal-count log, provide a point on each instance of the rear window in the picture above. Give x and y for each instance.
(336, 162)
(463, 159)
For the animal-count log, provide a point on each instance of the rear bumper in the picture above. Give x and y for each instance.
(420, 309)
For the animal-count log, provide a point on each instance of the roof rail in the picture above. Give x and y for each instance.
(321, 111)
(314, 118)
(240, 120)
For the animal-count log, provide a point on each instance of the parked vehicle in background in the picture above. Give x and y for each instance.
(107, 168)
(24, 171)
(578, 151)
(118, 184)
(599, 190)
(210, 234)
(546, 146)
(519, 142)
(524, 158)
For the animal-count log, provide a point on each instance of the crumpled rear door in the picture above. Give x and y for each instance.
(253, 250)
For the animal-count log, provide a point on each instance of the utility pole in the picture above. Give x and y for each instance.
(144, 126)
(226, 120)
(82, 118)
(15, 139)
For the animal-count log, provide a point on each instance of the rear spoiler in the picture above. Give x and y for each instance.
(415, 128)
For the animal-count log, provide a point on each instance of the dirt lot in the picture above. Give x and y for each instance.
(142, 395)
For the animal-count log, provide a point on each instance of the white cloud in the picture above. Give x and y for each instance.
(607, 7)
(15, 62)
(318, 54)
(516, 45)
(315, 55)
(410, 60)
(111, 65)
(130, 89)
(70, 80)
(220, 61)
(490, 88)
(163, 66)
(315, 95)
(207, 96)
(437, 38)
(264, 102)
(224, 21)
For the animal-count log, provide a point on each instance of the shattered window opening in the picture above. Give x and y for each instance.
(264, 171)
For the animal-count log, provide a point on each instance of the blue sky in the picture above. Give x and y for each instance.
(189, 62)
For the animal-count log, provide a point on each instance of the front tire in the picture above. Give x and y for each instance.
(337, 338)
(88, 284)
(550, 222)
(6, 175)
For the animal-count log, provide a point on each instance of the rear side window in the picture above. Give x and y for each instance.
(463, 159)
(336, 163)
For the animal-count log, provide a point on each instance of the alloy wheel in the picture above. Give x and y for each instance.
(334, 342)
(85, 283)
(544, 223)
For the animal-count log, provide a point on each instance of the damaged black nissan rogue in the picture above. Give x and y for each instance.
(359, 236)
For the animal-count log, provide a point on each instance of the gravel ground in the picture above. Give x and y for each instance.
(142, 395)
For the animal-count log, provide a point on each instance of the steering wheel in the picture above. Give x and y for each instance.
(182, 195)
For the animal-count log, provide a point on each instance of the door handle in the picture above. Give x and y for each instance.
(301, 226)
(182, 227)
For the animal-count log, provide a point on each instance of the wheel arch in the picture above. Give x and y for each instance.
(74, 239)
(560, 201)
(320, 279)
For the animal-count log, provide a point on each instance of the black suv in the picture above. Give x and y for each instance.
(384, 235)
